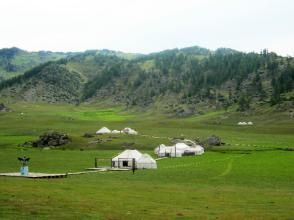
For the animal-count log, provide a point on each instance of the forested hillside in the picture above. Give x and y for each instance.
(179, 81)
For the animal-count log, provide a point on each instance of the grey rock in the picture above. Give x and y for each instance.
(4, 108)
(213, 140)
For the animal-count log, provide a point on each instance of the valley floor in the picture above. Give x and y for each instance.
(251, 177)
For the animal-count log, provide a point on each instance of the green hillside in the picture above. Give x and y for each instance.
(179, 82)
(14, 61)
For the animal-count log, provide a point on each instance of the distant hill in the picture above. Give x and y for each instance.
(51, 82)
(178, 81)
(14, 61)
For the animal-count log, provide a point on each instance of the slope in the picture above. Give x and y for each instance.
(51, 82)
(14, 61)
(179, 82)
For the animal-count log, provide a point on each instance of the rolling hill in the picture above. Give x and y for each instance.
(180, 82)
(14, 61)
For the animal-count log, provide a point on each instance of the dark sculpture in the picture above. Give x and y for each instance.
(24, 169)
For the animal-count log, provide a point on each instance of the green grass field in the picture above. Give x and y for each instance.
(250, 177)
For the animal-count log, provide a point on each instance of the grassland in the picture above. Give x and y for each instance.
(251, 177)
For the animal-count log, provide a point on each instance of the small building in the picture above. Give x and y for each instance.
(103, 130)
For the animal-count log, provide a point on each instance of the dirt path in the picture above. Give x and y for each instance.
(229, 167)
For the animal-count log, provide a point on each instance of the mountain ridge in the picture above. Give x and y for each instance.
(181, 81)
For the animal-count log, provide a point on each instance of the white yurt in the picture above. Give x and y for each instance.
(133, 132)
(198, 150)
(129, 131)
(125, 130)
(178, 150)
(249, 123)
(125, 159)
(160, 150)
(115, 132)
(103, 130)
(167, 151)
(183, 149)
(146, 162)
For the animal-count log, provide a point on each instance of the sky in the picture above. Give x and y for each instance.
(144, 26)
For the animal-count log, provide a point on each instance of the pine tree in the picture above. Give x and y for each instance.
(243, 103)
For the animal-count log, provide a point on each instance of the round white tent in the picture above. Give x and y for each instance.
(103, 130)
(181, 149)
(167, 151)
(146, 162)
(160, 150)
(125, 159)
(178, 150)
(129, 131)
(133, 132)
(198, 150)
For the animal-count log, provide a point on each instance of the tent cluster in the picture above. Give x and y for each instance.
(245, 123)
(133, 158)
(105, 130)
(178, 150)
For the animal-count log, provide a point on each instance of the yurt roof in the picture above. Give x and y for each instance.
(181, 146)
(146, 158)
(103, 130)
(128, 154)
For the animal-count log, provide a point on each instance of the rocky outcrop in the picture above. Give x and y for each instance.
(53, 138)
(4, 108)
(213, 140)
(88, 135)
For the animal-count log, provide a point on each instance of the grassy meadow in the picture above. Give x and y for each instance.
(250, 177)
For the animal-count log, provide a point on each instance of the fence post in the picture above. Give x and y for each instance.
(134, 165)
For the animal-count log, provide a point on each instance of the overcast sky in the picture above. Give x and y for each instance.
(147, 25)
